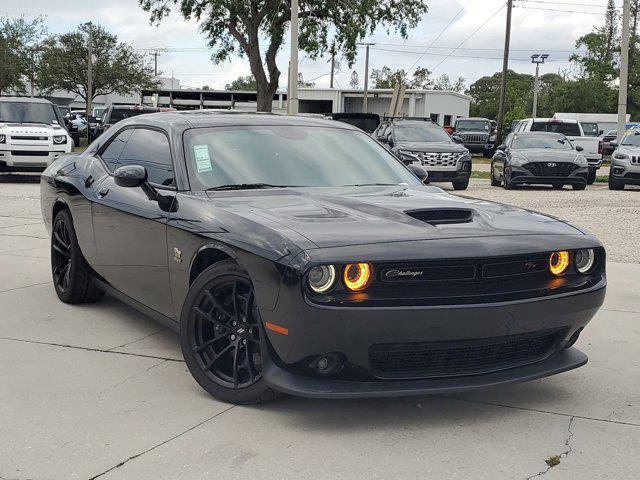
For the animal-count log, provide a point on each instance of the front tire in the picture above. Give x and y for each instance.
(70, 271)
(506, 183)
(462, 185)
(558, 186)
(220, 335)
(591, 177)
(494, 181)
(615, 184)
(579, 186)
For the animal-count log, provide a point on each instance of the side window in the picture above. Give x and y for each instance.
(113, 151)
(507, 141)
(150, 149)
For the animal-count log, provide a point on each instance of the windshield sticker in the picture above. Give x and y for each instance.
(203, 159)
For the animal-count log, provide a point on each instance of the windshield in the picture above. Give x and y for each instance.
(290, 156)
(565, 128)
(555, 142)
(420, 133)
(468, 125)
(26, 112)
(590, 129)
(632, 138)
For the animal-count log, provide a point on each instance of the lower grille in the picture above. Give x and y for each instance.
(633, 176)
(30, 153)
(458, 358)
(545, 169)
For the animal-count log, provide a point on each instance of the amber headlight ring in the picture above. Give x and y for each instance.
(357, 276)
(559, 262)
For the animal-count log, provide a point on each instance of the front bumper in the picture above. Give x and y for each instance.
(520, 175)
(625, 171)
(23, 159)
(351, 332)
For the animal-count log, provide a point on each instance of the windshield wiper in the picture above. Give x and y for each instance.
(248, 186)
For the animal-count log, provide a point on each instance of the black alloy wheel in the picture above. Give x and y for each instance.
(61, 256)
(220, 335)
(494, 181)
(70, 271)
(505, 181)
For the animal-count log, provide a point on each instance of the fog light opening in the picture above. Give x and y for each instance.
(326, 365)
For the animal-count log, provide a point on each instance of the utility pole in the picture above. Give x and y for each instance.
(89, 80)
(505, 68)
(365, 97)
(155, 54)
(624, 72)
(538, 59)
(292, 98)
(333, 63)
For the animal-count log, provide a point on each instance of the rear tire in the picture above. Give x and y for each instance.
(461, 185)
(615, 184)
(558, 186)
(70, 271)
(591, 177)
(220, 335)
(579, 186)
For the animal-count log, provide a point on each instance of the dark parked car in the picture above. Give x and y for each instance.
(297, 255)
(116, 113)
(367, 122)
(539, 158)
(427, 144)
(610, 136)
(477, 135)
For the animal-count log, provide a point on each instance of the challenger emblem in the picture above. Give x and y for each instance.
(403, 273)
(177, 254)
(552, 164)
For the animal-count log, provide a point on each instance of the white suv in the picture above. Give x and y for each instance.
(32, 134)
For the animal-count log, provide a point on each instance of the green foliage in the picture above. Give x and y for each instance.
(237, 27)
(385, 77)
(242, 83)
(19, 43)
(117, 67)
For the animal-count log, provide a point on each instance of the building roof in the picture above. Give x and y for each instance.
(24, 99)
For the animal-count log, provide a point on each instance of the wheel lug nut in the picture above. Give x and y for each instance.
(233, 337)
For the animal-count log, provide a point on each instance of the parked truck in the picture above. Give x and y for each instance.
(592, 147)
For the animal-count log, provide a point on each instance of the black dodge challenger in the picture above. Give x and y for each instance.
(297, 255)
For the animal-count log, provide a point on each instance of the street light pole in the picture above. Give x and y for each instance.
(89, 79)
(365, 97)
(538, 59)
(624, 72)
(292, 99)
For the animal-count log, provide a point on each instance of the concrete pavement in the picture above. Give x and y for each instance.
(100, 391)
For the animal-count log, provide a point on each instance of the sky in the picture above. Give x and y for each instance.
(456, 37)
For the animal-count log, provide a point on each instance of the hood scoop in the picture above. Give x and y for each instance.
(442, 216)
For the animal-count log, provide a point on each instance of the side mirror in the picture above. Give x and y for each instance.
(130, 176)
(502, 147)
(418, 171)
(457, 138)
(579, 148)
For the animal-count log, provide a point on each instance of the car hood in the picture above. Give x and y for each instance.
(28, 128)
(430, 147)
(331, 217)
(545, 155)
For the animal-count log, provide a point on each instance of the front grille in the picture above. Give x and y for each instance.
(28, 137)
(635, 160)
(463, 357)
(551, 169)
(30, 153)
(439, 159)
(477, 138)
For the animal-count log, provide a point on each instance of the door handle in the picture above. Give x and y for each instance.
(103, 192)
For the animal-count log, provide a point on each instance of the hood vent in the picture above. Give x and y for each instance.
(441, 216)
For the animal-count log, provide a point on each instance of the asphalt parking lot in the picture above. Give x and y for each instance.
(100, 391)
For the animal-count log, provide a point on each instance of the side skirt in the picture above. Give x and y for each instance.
(142, 308)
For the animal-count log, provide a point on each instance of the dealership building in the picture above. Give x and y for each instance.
(439, 105)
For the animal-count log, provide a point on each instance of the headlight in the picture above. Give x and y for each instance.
(3, 139)
(409, 155)
(322, 278)
(584, 260)
(59, 139)
(356, 276)
(559, 262)
(518, 160)
(465, 157)
(621, 156)
(580, 160)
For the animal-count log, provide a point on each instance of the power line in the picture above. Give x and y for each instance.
(559, 11)
(568, 4)
(472, 34)
(437, 37)
(481, 57)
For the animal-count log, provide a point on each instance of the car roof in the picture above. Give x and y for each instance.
(537, 134)
(25, 100)
(216, 118)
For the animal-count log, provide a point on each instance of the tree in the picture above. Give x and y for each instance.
(235, 27)
(117, 67)
(354, 81)
(303, 84)
(242, 83)
(444, 83)
(19, 46)
(385, 77)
